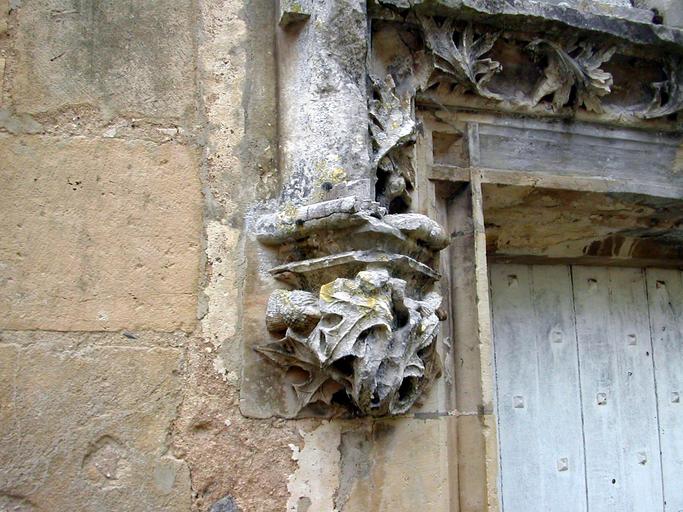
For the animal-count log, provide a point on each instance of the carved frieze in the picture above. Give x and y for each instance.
(562, 72)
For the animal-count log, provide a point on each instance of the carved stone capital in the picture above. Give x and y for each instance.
(359, 327)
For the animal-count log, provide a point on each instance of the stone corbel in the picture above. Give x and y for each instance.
(359, 327)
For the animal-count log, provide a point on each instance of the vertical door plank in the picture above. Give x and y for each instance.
(537, 389)
(665, 294)
(560, 428)
(516, 386)
(636, 390)
(617, 383)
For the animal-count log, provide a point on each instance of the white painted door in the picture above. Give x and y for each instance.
(589, 378)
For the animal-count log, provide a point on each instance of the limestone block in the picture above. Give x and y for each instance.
(98, 234)
(411, 470)
(90, 429)
(126, 56)
(379, 465)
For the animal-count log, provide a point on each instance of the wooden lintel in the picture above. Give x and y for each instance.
(544, 180)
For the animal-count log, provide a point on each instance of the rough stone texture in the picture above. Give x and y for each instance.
(102, 234)
(230, 455)
(4, 14)
(86, 423)
(581, 224)
(670, 10)
(615, 21)
(115, 54)
(139, 87)
(374, 465)
(323, 104)
(226, 452)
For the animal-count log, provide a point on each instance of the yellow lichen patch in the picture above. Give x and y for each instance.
(326, 292)
(288, 212)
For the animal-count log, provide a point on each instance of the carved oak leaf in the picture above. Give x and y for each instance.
(392, 127)
(668, 94)
(292, 351)
(463, 61)
(392, 119)
(573, 65)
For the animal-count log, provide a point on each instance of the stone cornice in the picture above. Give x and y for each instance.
(626, 24)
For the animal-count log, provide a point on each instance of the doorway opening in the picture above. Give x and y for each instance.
(586, 295)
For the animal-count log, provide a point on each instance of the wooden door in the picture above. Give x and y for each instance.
(589, 364)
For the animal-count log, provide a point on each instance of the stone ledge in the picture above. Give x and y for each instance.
(537, 17)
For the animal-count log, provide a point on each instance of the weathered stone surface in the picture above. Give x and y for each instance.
(373, 342)
(228, 454)
(314, 484)
(125, 56)
(4, 14)
(616, 21)
(100, 234)
(582, 224)
(88, 426)
(670, 10)
(8, 377)
(323, 104)
(373, 465)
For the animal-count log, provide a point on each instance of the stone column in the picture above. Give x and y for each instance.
(325, 148)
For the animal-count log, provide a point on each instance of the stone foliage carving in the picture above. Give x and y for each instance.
(573, 65)
(463, 62)
(572, 70)
(668, 94)
(362, 337)
(392, 127)
(359, 327)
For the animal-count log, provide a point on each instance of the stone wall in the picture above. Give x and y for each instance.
(133, 135)
(135, 140)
